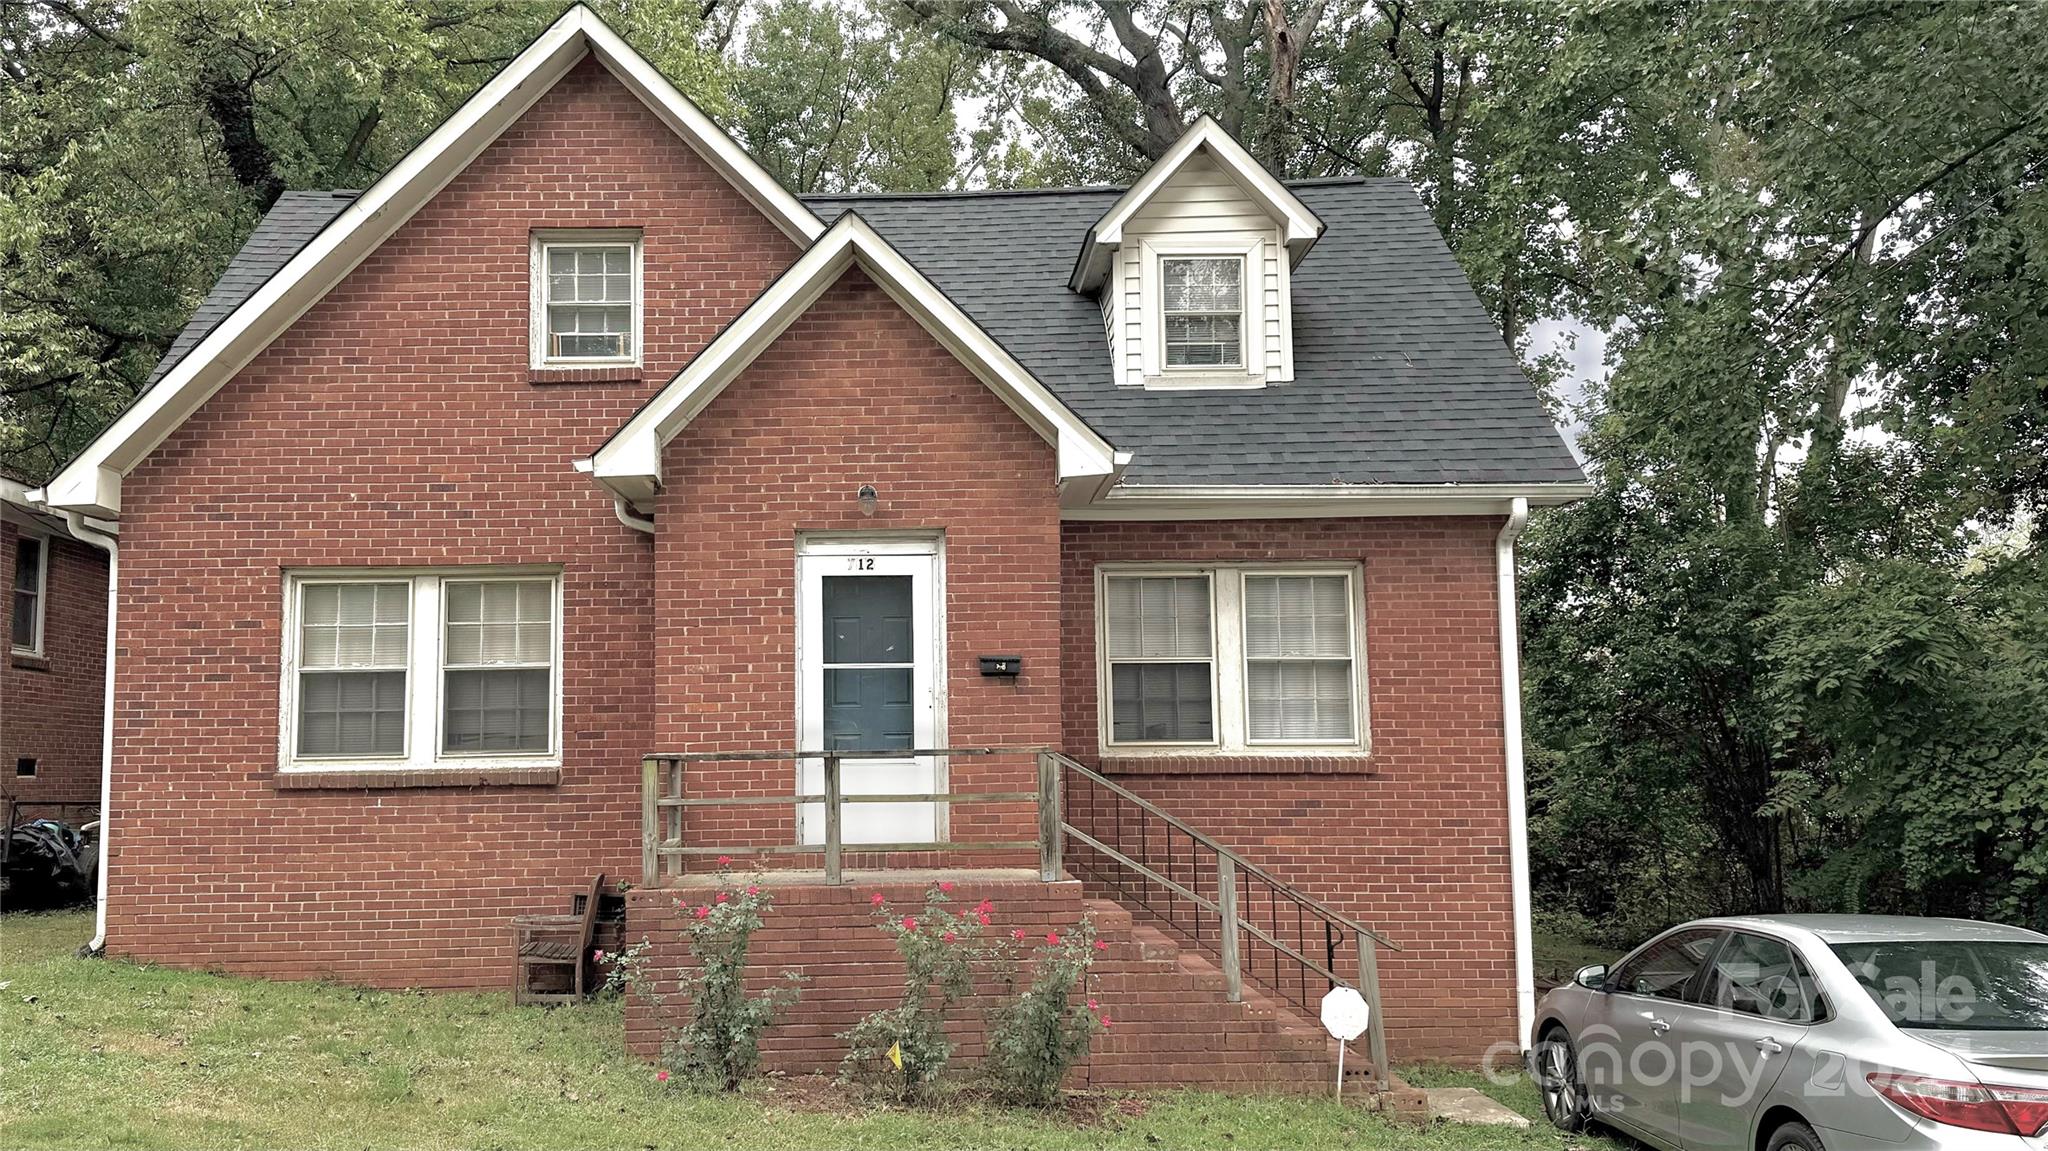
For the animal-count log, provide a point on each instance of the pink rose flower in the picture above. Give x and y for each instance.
(945, 885)
(721, 897)
(1105, 1022)
(598, 955)
(703, 913)
(948, 937)
(875, 900)
(909, 924)
(983, 918)
(753, 889)
(1018, 935)
(1092, 1005)
(1101, 945)
(984, 907)
(661, 1077)
(1053, 937)
(725, 861)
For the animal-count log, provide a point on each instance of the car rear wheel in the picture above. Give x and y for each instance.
(1794, 1136)
(1557, 1077)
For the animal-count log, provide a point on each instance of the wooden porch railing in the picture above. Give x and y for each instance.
(1235, 909)
(663, 802)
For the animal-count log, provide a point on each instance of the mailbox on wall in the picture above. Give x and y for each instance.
(1002, 666)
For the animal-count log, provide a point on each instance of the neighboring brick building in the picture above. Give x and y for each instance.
(52, 687)
(575, 438)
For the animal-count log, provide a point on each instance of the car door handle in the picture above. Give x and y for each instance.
(1660, 1026)
(1769, 1046)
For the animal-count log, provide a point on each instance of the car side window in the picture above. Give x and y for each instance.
(1757, 975)
(1667, 967)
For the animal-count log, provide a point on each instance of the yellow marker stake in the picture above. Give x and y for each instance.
(896, 1055)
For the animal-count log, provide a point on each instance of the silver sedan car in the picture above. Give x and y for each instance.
(1807, 1033)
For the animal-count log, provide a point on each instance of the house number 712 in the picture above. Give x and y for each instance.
(860, 564)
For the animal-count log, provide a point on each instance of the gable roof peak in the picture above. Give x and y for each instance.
(1299, 227)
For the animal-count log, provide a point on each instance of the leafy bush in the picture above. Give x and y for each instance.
(720, 1046)
(1036, 1037)
(901, 1052)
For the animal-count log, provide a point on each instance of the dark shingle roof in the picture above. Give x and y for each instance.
(1400, 376)
(289, 225)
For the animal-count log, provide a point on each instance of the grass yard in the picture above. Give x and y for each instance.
(103, 1053)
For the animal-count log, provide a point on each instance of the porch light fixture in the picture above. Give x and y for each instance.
(868, 500)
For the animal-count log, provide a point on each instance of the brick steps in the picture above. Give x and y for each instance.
(1171, 1024)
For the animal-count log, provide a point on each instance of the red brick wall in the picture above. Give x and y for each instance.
(1413, 841)
(51, 706)
(395, 424)
(855, 393)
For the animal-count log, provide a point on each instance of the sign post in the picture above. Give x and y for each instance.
(1345, 1017)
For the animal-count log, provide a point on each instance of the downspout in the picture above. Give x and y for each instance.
(626, 516)
(98, 539)
(1518, 797)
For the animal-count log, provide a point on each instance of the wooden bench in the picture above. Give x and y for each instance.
(553, 942)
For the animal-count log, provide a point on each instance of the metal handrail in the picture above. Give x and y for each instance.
(1243, 864)
(1230, 924)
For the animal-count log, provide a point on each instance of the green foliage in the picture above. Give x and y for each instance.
(939, 949)
(1036, 1036)
(719, 1047)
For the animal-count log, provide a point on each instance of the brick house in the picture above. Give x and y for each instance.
(52, 687)
(576, 439)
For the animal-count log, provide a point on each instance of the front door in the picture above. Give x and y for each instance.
(869, 680)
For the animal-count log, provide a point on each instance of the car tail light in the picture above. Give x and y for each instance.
(1977, 1106)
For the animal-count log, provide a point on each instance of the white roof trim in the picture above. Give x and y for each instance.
(630, 462)
(92, 482)
(1315, 501)
(1299, 226)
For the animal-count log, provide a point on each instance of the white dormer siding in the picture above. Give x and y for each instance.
(1201, 210)
(1205, 201)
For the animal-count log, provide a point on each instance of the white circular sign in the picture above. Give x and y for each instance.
(1345, 1013)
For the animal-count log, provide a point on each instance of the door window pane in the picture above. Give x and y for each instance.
(868, 663)
(1665, 970)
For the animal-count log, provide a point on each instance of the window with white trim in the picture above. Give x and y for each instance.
(1202, 311)
(1232, 659)
(586, 299)
(31, 573)
(422, 670)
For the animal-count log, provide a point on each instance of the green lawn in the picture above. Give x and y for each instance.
(101, 1053)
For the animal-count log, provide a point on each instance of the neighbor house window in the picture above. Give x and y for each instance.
(586, 299)
(1231, 658)
(1202, 311)
(423, 669)
(31, 572)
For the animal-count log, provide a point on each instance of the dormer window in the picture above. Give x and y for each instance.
(1202, 318)
(586, 306)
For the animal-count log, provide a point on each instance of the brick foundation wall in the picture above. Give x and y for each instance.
(1411, 841)
(396, 424)
(51, 704)
(854, 393)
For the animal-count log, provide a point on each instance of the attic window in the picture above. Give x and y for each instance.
(1203, 311)
(586, 299)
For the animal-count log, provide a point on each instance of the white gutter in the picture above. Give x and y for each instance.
(1518, 796)
(626, 516)
(99, 539)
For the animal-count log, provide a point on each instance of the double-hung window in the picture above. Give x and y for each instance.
(586, 299)
(1234, 659)
(1202, 311)
(31, 572)
(422, 669)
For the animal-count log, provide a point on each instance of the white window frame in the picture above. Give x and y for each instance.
(426, 641)
(1228, 694)
(35, 646)
(1247, 247)
(537, 278)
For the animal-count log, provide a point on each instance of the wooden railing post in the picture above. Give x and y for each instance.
(650, 821)
(1051, 838)
(1226, 909)
(1376, 1021)
(832, 875)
